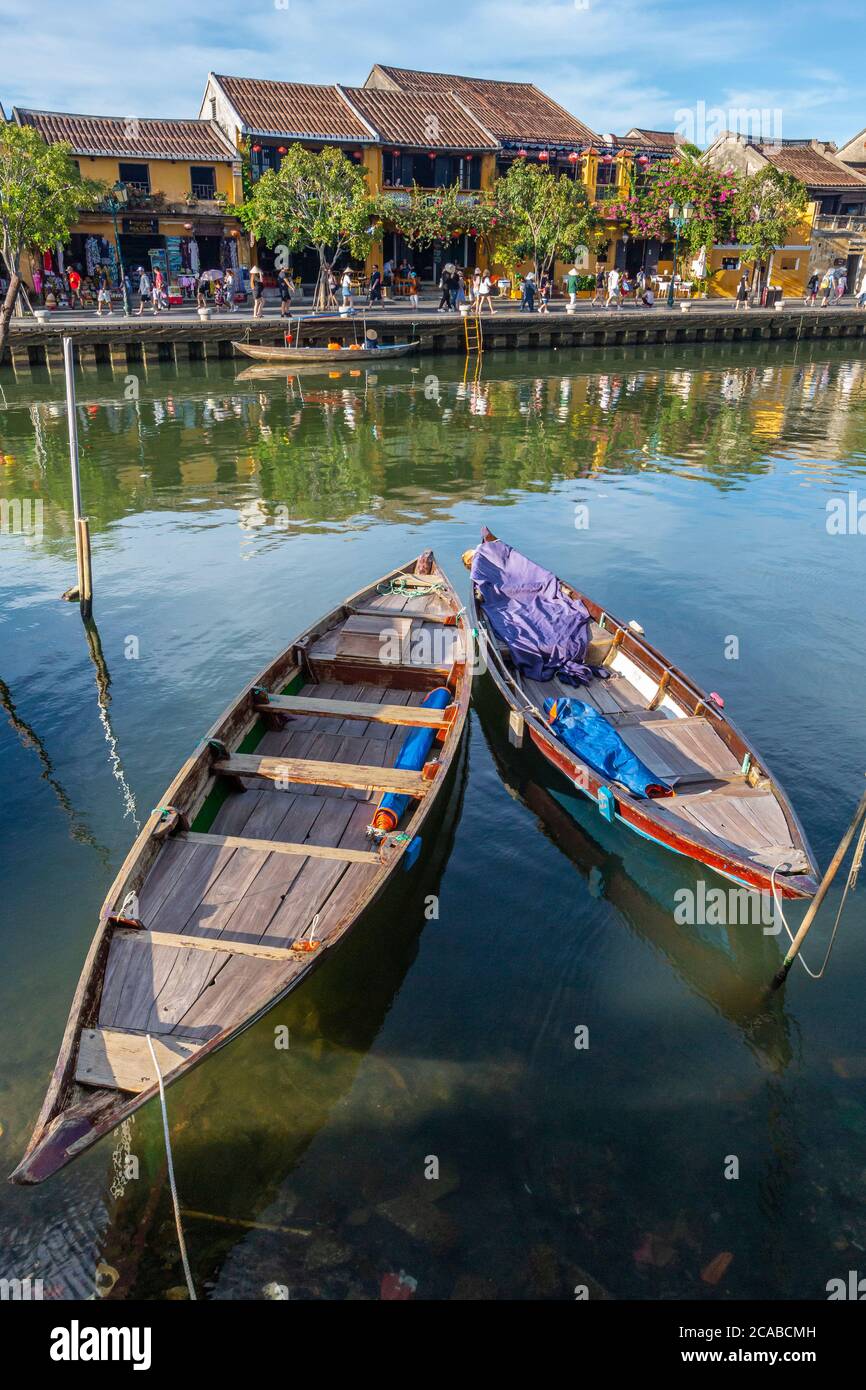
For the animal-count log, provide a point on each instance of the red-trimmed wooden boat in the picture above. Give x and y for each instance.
(259, 859)
(727, 811)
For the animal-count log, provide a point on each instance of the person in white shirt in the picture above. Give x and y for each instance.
(485, 293)
(346, 287)
(613, 289)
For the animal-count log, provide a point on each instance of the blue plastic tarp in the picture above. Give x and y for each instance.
(598, 744)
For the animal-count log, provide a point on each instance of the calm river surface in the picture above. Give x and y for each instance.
(228, 513)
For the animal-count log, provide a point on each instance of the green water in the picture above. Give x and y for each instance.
(226, 515)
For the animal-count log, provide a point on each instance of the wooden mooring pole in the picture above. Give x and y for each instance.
(832, 869)
(82, 526)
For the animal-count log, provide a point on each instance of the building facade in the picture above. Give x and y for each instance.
(171, 182)
(831, 235)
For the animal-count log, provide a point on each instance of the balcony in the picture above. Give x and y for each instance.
(470, 196)
(841, 222)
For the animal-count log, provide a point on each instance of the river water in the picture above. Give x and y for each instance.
(688, 489)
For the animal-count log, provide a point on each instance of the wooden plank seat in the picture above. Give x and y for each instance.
(411, 715)
(350, 856)
(181, 942)
(323, 774)
(113, 1057)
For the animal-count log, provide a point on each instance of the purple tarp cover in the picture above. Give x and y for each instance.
(546, 632)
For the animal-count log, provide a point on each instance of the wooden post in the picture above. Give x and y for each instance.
(793, 950)
(82, 529)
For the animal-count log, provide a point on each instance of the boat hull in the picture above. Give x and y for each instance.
(261, 353)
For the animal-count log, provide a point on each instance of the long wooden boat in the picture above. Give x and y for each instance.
(259, 859)
(262, 353)
(727, 812)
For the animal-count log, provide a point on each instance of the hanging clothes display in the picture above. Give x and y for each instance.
(194, 262)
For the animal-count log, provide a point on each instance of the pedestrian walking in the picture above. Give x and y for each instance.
(571, 284)
(285, 289)
(412, 277)
(73, 279)
(812, 289)
(346, 288)
(742, 294)
(444, 304)
(485, 293)
(228, 291)
(544, 294)
(143, 289)
(374, 289)
(613, 289)
(600, 282)
(258, 286)
(527, 294)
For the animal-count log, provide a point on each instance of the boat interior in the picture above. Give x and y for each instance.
(717, 792)
(237, 903)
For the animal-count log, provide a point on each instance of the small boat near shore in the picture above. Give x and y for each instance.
(694, 784)
(287, 822)
(260, 352)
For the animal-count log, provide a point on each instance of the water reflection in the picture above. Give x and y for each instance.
(326, 446)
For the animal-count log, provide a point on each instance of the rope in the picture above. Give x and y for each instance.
(400, 586)
(171, 1182)
(850, 885)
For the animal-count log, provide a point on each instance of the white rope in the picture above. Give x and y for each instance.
(850, 883)
(180, 1237)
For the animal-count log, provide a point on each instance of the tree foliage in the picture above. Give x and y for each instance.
(41, 194)
(710, 194)
(315, 201)
(768, 204)
(545, 216)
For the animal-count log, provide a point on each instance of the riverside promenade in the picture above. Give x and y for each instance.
(181, 335)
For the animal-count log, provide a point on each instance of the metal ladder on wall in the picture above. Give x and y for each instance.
(473, 333)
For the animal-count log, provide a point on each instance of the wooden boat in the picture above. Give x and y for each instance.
(727, 811)
(262, 353)
(258, 860)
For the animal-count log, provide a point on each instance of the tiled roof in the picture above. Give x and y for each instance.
(661, 139)
(512, 111)
(816, 168)
(293, 109)
(131, 137)
(433, 119)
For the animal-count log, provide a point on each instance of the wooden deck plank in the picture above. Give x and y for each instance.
(311, 772)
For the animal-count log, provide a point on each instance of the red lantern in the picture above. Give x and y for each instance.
(573, 157)
(543, 154)
(607, 159)
(257, 148)
(431, 155)
(643, 159)
(521, 154)
(396, 154)
(467, 156)
(359, 154)
(282, 149)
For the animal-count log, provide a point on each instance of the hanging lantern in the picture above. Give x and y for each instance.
(358, 154)
(544, 155)
(396, 154)
(432, 154)
(256, 148)
(573, 157)
(467, 156)
(607, 159)
(521, 154)
(643, 159)
(282, 149)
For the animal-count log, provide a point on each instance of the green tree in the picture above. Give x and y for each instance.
(314, 201)
(41, 194)
(546, 216)
(768, 205)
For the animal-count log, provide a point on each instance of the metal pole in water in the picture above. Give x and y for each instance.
(82, 528)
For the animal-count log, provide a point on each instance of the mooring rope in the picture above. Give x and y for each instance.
(850, 885)
(171, 1182)
(399, 586)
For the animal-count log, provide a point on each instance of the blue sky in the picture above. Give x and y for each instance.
(614, 63)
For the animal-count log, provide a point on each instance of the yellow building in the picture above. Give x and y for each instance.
(172, 182)
(830, 235)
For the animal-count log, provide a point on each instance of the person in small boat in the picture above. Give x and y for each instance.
(371, 339)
